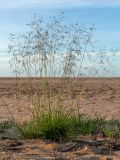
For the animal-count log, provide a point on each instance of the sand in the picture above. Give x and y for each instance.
(97, 95)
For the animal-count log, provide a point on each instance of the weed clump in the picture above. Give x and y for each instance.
(49, 125)
(59, 125)
(4, 126)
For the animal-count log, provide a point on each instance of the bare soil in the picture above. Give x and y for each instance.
(99, 96)
(96, 95)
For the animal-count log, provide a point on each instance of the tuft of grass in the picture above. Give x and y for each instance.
(48, 50)
(111, 129)
(55, 126)
(85, 125)
(59, 125)
(51, 49)
(49, 125)
(107, 133)
(4, 126)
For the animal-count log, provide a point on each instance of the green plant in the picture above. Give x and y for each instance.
(112, 129)
(4, 126)
(58, 125)
(49, 125)
(84, 124)
(55, 126)
(107, 132)
(55, 53)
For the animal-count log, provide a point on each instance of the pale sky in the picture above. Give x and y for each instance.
(10, 4)
(104, 14)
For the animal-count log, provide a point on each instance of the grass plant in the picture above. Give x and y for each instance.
(4, 126)
(55, 54)
(59, 125)
(49, 125)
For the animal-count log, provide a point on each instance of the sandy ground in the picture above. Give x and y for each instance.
(96, 95)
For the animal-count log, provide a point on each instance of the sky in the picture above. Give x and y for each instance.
(104, 14)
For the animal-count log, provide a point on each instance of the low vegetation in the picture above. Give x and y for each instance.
(5, 125)
(63, 126)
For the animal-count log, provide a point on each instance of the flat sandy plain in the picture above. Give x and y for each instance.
(99, 96)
